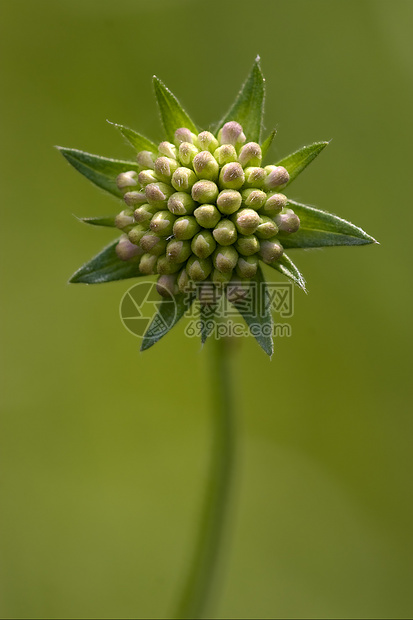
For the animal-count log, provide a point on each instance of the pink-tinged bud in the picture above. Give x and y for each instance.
(126, 250)
(147, 264)
(277, 177)
(183, 179)
(134, 198)
(231, 133)
(231, 176)
(184, 135)
(127, 180)
(247, 245)
(146, 177)
(157, 194)
(274, 204)
(207, 141)
(144, 213)
(164, 266)
(124, 219)
(203, 244)
(167, 285)
(271, 250)
(207, 216)
(146, 159)
(178, 251)
(205, 192)
(185, 227)
(205, 166)
(167, 149)
(181, 204)
(287, 221)
(229, 201)
(267, 229)
(165, 167)
(225, 232)
(187, 153)
(151, 243)
(162, 223)
(183, 281)
(135, 234)
(247, 266)
(250, 155)
(225, 258)
(198, 268)
(254, 198)
(254, 177)
(246, 221)
(225, 154)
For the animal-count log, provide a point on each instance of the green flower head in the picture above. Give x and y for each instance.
(202, 209)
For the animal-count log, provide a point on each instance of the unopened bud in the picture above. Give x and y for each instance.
(229, 201)
(187, 152)
(254, 198)
(146, 159)
(183, 134)
(198, 268)
(250, 155)
(183, 179)
(164, 266)
(247, 245)
(218, 277)
(278, 177)
(124, 219)
(147, 264)
(267, 229)
(144, 213)
(165, 167)
(232, 176)
(254, 177)
(225, 154)
(207, 141)
(126, 180)
(134, 198)
(247, 266)
(168, 150)
(126, 250)
(178, 251)
(274, 204)
(288, 221)
(162, 223)
(185, 227)
(204, 192)
(152, 244)
(135, 234)
(206, 166)
(231, 133)
(207, 216)
(203, 244)
(246, 221)
(183, 281)
(157, 194)
(225, 232)
(271, 250)
(225, 258)
(181, 204)
(146, 177)
(167, 285)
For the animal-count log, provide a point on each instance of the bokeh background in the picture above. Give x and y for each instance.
(105, 450)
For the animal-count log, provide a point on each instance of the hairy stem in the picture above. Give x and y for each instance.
(202, 575)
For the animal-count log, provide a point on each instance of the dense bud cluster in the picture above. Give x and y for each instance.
(203, 209)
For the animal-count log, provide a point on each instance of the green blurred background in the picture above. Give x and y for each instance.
(104, 450)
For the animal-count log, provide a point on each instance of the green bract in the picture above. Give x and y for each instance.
(201, 207)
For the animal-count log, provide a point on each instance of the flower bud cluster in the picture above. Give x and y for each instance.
(203, 209)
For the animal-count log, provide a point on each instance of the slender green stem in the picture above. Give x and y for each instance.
(202, 576)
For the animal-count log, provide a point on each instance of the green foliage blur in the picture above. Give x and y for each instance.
(104, 450)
